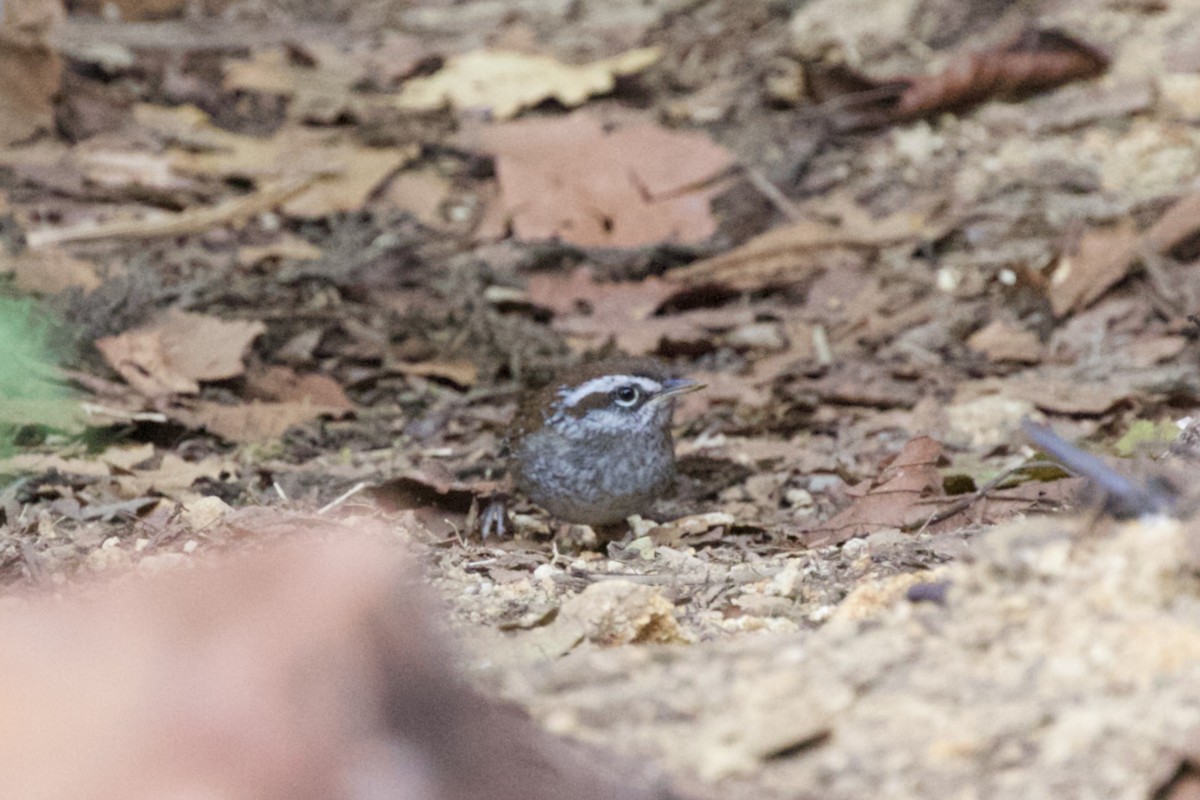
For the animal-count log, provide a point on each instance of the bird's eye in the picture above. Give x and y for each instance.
(627, 396)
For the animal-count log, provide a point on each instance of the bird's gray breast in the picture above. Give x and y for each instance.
(597, 481)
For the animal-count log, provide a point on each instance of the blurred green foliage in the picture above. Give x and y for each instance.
(32, 395)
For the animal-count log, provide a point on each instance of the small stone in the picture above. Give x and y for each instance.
(789, 581)
(798, 498)
(641, 527)
(204, 512)
(545, 572)
(855, 549)
(643, 546)
(757, 336)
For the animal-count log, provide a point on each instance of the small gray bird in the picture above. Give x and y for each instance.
(595, 446)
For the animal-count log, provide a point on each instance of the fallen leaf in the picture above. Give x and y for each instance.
(568, 179)
(396, 57)
(461, 372)
(48, 271)
(794, 253)
(506, 83)
(1065, 390)
(1002, 342)
(173, 477)
(1147, 437)
(1079, 106)
(250, 423)
(175, 353)
(27, 463)
(340, 174)
(1177, 231)
(1102, 258)
(422, 193)
(283, 384)
(586, 307)
(897, 498)
(30, 74)
(285, 248)
(1033, 61)
(318, 79)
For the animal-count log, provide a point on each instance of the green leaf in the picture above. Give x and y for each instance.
(1146, 436)
(32, 392)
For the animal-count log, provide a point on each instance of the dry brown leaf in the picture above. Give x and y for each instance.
(1034, 61)
(353, 173)
(897, 498)
(30, 74)
(1058, 391)
(591, 310)
(174, 476)
(284, 384)
(285, 248)
(793, 253)
(251, 423)
(1002, 342)
(397, 57)
(318, 78)
(1102, 258)
(173, 354)
(566, 178)
(184, 223)
(460, 372)
(340, 174)
(506, 83)
(1177, 228)
(48, 271)
(720, 388)
(422, 193)
(40, 462)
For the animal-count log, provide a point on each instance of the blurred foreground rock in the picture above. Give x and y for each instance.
(1060, 658)
(309, 670)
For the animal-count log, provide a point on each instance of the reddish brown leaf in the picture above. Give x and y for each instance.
(286, 385)
(569, 179)
(897, 498)
(1102, 258)
(251, 422)
(1034, 61)
(174, 353)
(1176, 232)
(30, 73)
(1000, 341)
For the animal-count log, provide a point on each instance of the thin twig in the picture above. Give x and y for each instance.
(772, 193)
(966, 501)
(343, 497)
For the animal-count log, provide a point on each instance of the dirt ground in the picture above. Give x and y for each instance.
(304, 259)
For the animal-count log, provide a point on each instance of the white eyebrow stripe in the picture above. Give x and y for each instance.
(606, 383)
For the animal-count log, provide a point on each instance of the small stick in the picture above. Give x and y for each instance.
(343, 497)
(772, 193)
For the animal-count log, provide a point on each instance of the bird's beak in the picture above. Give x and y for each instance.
(672, 387)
